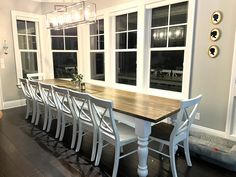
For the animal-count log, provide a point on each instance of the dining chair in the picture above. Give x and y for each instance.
(171, 135)
(83, 121)
(61, 101)
(35, 76)
(30, 105)
(37, 99)
(50, 106)
(117, 134)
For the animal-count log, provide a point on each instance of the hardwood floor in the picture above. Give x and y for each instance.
(27, 152)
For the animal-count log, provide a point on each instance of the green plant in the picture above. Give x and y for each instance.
(77, 78)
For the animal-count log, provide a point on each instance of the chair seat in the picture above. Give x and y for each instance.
(162, 131)
(126, 133)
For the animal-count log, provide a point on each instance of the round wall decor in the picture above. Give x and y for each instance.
(215, 34)
(216, 17)
(213, 51)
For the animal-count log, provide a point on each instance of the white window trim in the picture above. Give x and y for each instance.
(18, 15)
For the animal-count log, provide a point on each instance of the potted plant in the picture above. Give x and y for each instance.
(77, 79)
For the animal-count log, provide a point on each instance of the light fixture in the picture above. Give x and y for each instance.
(66, 16)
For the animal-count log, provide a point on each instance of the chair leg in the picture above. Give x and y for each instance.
(161, 146)
(58, 124)
(172, 160)
(38, 114)
(186, 152)
(116, 160)
(34, 112)
(62, 127)
(49, 120)
(45, 117)
(27, 109)
(99, 152)
(95, 139)
(80, 137)
(74, 133)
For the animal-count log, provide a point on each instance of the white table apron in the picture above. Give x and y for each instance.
(142, 130)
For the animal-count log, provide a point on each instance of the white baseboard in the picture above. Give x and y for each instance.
(13, 104)
(209, 131)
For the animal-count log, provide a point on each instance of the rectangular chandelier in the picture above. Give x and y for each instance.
(66, 16)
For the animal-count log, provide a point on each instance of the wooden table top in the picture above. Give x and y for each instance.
(147, 107)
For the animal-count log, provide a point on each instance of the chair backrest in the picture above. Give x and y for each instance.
(80, 107)
(104, 117)
(185, 117)
(60, 97)
(25, 88)
(46, 94)
(34, 90)
(36, 76)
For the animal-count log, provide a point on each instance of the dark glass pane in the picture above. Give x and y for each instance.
(97, 66)
(22, 42)
(121, 23)
(71, 31)
(159, 37)
(121, 40)
(71, 43)
(57, 32)
(132, 21)
(101, 40)
(21, 29)
(132, 40)
(93, 28)
(94, 42)
(57, 43)
(32, 42)
(31, 28)
(64, 64)
(101, 26)
(167, 70)
(178, 13)
(29, 63)
(160, 16)
(177, 36)
(126, 68)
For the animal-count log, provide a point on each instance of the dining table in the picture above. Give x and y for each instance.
(143, 108)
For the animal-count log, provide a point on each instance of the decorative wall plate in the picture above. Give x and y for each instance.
(213, 51)
(215, 34)
(216, 17)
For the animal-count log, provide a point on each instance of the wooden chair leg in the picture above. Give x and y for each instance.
(186, 152)
(172, 160)
(99, 151)
(95, 139)
(63, 126)
(58, 124)
(116, 160)
(45, 117)
(74, 133)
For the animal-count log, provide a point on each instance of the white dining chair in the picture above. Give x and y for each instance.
(50, 106)
(64, 119)
(30, 105)
(172, 135)
(37, 99)
(117, 134)
(35, 76)
(83, 121)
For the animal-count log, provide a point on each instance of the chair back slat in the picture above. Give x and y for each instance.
(34, 90)
(104, 116)
(25, 88)
(46, 94)
(185, 116)
(60, 98)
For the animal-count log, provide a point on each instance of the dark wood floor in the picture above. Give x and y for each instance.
(31, 153)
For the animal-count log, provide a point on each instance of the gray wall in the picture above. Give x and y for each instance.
(8, 75)
(210, 77)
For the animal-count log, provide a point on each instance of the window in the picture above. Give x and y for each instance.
(167, 46)
(27, 35)
(64, 51)
(126, 48)
(97, 50)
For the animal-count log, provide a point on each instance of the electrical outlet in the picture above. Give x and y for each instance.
(197, 117)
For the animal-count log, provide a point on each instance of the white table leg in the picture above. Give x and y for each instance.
(142, 130)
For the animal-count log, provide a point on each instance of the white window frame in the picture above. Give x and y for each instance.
(187, 51)
(18, 15)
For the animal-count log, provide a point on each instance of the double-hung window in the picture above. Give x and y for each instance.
(168, 31)
(126, 48)
(64, 44)
(97, 50)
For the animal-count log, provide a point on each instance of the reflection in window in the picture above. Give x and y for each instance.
(166, 70)
(168, 31)
(29, 63)
(64, 64)
(97, 50)
(126, 48)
